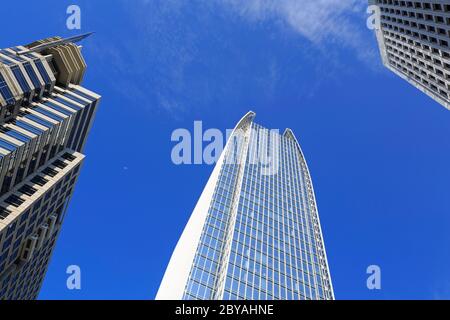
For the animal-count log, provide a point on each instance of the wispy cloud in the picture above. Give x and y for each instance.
(319, 21)
(186, 54)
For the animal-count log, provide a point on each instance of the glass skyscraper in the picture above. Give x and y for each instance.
(45, 118)
(255, 232)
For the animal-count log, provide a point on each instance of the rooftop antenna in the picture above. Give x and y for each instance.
(54, 43)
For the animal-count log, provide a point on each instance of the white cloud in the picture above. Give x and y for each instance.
(184, 53)
(319, 21)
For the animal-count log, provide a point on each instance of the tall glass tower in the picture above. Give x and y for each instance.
(255, 232)
(45, 118)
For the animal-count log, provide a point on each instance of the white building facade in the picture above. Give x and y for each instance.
(414, 41)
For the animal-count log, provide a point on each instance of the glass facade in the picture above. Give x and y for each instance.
(261, 239)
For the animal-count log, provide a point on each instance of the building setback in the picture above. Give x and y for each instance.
(45, 118)
(414, 41)
(255, 232)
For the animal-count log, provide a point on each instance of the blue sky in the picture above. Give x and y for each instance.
(377, 148)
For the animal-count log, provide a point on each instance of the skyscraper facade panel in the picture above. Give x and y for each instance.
(255, 232)
(414, 40)
(45, 117)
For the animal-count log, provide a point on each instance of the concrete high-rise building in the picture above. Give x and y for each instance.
(255, 232)
(45, 117)
(414, 40)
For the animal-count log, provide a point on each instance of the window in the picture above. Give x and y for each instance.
(4, 213)
(6, 92)
(30, 71)
(50, 172)
(39, 180)
(28, 190)
(14, 200)
(60, 164)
